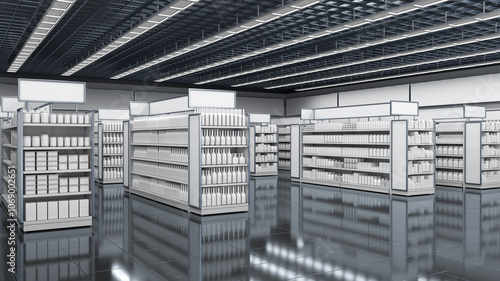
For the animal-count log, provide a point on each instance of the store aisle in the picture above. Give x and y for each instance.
(290, 232)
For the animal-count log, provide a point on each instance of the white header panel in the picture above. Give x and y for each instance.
(404, 108)
(114, 114)
(212, 98)
(286, 121)
(32, 90)
(260, 118)
(307, 114)
(168, 106)
(139, 108)
(376, 95)
(474, 111)
(294, 105)
(11, 104)
(493, 115)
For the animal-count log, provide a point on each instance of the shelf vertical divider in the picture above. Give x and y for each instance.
(251, 140)
(399, 155)
(194, 164)
(100, 150)
(92, 167)
(20, 166)
(472, 152)
(126, 153)
(295, 152)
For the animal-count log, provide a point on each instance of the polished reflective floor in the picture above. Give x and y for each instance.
(291, 232)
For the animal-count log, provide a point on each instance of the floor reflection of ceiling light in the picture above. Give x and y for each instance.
(120, 274)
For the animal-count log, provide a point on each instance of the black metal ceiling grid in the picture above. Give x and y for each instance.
(17, 21)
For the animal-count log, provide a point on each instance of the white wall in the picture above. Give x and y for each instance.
(294, 105)
(97, 98)
(377, 95)
(259, 105)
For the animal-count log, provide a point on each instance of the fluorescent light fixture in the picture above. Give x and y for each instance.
(150, 23)
(331, 30)
(54, 13)
(427, 3)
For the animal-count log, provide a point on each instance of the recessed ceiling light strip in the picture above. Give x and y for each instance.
(385, 57)
(50, 19)
(164, 14)
(321, 33)
(410, 34)
(438, 60)
(278, 13)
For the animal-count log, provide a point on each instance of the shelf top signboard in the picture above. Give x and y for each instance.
(493, 115)
(260, 118)
(139, 108)
(168, 106)
(474, 111)
(211, 98)
(393, 108)
(51, 91)
(11, 104)
(114, 114)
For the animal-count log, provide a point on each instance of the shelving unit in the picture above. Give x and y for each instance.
(263, 149)
(450, 150)
(284, 154)
(109, 153)
(195, 160)
(54, 186)
(393, 156)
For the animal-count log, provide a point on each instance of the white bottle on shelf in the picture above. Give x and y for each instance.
(223, 197)
(233, 196)
(238, 196)
(224, 176)
(214, 197)
(209, 178)
(214, 177)
(243, 195)
(218, 197)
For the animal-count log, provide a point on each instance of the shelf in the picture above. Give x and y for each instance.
(48, 195)
(7, 162)
(346, 169)
(490, 131)
(58, 148)
(56, 223)
(224, 146)
(112, 154)
(491, 156)
(56, 172)
(224, 184)
(348, 131)
(158, 129)
(320, 182)
(421, 174)
(55, 125)
(9, 127)
(269, 161)
(264, 174)
(491, 169)
(365, 187)
(342, 156)
(10, 146)
(450, 155)
(450, 168)
(224, 127)
(420, 144)
(420, 130)
(158, 177)
(450, 143)
(159, 161)
(420, 159)
(105, 143)
(223, 165)
(350, 143)
(112, 131)
(453, 131)
(449, 183)
(113, 166)
(487, 185)
(159, 144)
(266, 152)
(491, 143)
(266, 142)
(223, 209)
(110, 181)
(283, 157)
(416, 191)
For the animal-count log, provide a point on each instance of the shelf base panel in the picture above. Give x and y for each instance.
(158, 198)
(109, 181)
(29, 226)
(449, 183)
(264, 174)
(225, 209)
(483, 186)
(414, 192)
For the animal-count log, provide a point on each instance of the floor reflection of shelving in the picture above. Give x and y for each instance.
(265, 204)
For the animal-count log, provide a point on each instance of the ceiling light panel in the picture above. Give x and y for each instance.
(52, 16)
(150, 23)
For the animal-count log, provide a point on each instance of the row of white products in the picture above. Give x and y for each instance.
(62, 209)
(162, 153)
(379, 138)
(112, 149)
(449, 126)
(221, 156)
(421, 138)
(53, 118)
(491, 138)
(450, 176)
(415, 152)
(449, 162)
(261, 147)
(265, 138)
(421, 124)
(223, 137)
(161, 137)
(266, 129)
(491, 163)
(449, 150)
(347, 151)
(113, 173)
(491, 176)
(491, 125)
(284, 163)
(50, 160)
(284, 130)
(348, 163)
(448, 138)
(285, 154)
(112, 161)
(174, 172)
(417, 167)
(284, 146)
(43, 184)
(416, 182)
(45, 141)
(266, 157)
(112, 126)
(266, 167)
(161, 121)
(490, 150)
(173, 190)
(112, 137)
(220, 196)
(222, 117)
(354, 178)
(223, 175)
(338, 126)
(284, 138)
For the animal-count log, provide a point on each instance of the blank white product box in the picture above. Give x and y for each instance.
(41, 211)
(73, 188)
(53, 210)
(63, 209)
(84, 187)
(53, 177)
(84, 165)
(73, 181)
(40, 167)
(63, 166)
(30, 189)
(52, 154)
(84, 207)
(72, 166)
(83, 157)
(63, 158)
(53, 186)
(52, 167)
(41, 158)
(29, 159)
(84, 180)
(41, 153)
(30, 211)
(74, 208)
(30, 178)
(29, 154)
(52, 159)
(41, 189)
(29, 168)
(42, 177)
(72, 158)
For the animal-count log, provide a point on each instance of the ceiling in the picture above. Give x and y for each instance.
(282, 46)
